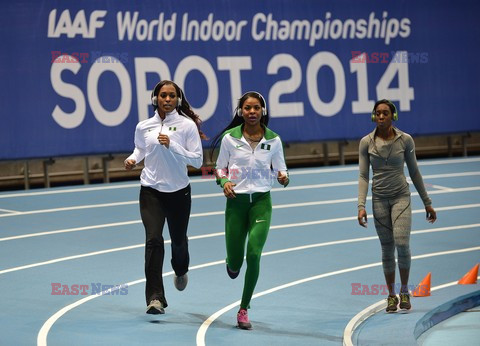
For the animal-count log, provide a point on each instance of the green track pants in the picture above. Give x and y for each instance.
(247, 215)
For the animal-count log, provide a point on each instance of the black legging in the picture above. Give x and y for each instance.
(155, 207)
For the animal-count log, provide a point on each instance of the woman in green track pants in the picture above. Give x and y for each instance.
(249, 161)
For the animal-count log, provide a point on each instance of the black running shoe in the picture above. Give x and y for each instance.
(180, 282)
(155, 307)
(405, 301)
(392, 302)
(232, 274)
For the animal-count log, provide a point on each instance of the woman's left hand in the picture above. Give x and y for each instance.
(431, 214)
(283, 179)
(164, 140)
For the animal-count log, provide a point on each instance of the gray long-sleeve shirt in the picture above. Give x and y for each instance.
(387, 159)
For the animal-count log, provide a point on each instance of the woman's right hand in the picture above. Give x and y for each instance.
(431, 214)
(228, 190)
(129, 164)
(362, 218)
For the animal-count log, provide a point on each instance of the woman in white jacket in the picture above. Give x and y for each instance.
(250, 159)
(167, 142)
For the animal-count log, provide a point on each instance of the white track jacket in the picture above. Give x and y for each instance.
(250, 170)
(166, 169)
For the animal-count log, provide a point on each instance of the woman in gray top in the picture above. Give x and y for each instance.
(387, 149)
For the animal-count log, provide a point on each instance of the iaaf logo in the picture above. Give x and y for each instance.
(78, 26)
(59, 289)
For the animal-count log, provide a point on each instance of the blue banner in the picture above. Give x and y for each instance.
(77, 76)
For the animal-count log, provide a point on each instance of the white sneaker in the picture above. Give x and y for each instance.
(155, 307)
(180, 282)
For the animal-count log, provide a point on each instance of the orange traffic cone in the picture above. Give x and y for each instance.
(470, 277)
(423, 288)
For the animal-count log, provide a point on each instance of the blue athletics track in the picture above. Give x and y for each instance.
(62, 250)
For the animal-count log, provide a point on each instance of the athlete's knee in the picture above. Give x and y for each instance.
(388, 247)
(388, 265)
(234, 263)
(388, 253)
(154, 242)
(179, 243)
(404, 256)
(388, 258)
(253, 257)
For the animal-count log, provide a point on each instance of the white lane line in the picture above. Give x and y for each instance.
(201, 180)
(280, 206)
(443, 229)
(221, 212)
(453, 189)
(371, 310)
(9, 211)
(62, 259)
(78, 207)
(290, 188)
(53, 191)
(441, 187)
(108, 205)
(96, 253)
(210, 195)
(305, 187)
(359, 318)
(444, 162)
(307, 223)
(42, 335)
(354, 167)
(204, 327)
(292, 225)
(356, 240)
(206, 195)
(68, 230)
(451, 175)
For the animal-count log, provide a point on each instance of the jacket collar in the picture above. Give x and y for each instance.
(238, 133)
(398, 133)
(169, 117)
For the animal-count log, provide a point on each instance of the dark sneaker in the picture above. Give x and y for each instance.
(392, 302)
(180, 282)
(242, 319)
(405, 301)
(155, 307)
(232, 274)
